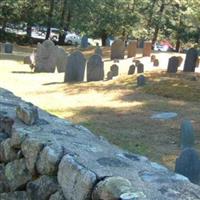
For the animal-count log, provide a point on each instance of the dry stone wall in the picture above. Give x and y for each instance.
(51, 158)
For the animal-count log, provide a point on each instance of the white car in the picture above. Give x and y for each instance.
(72, 39)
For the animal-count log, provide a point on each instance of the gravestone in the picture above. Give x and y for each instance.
(8, 47)
(156, 63)
(109, 75)
(98, 51)
(61, 59)
(173, 64)
(188, 164)
(141, 80)
(45, 59)
(187, 134)
(75, 67)
(117, 50)
(95, 68)
(132, 48)
(147, 48)
(191, 60)
(131, 70)
(153, 57)
(141, 43)
(140, 68)
(84, 42)
(115, 70)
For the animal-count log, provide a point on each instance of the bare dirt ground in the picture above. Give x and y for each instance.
(116, 109)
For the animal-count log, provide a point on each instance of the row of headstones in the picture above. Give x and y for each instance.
(188, 163)
(118, 49)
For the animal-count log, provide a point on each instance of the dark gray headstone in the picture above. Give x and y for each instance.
(117, 50)
(45, 59)
(75, 67)
(173, 64)
(84, 42)
(131, 70)
(95, 68)
(109, 75)
(188, 165)
(140, 68)
(115, 70)
(141, 80)
(187, 134)
(191, 60)
(8, 47)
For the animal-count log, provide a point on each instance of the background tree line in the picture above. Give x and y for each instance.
(177, 20)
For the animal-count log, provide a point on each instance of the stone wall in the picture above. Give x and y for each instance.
(44, 157)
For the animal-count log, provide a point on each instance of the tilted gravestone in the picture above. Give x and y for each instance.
(141, 80)
(95, 68)
(117, 50)
(45, 59)
(187, 134)
(109, 75)
(131, 70)
(188, 164)
(147, 48)
(173, 64)
(84, 42)
(156, 63)
(61, 59)
(140, 68)
(75, 67)
(115, 70)
(191, 60)
(132, 48)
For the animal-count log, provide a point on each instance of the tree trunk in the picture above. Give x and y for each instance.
(104, 36)
(50, 15)
(29, 30)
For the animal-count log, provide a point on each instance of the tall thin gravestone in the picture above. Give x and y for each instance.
(75, 67)
(188, 164)
(173, 64)
(95, 68)
(191, 60)
(132, 48)
(187, 134)
(61, 59)
(84, 42)
(147, 48)
(117, 49)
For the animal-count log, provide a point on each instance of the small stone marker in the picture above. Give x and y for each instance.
(147, 48)
(109, 75)
(141, 80)
(191, 60)
(84, 42)
(75, 67)
(187, 134)
(117, 50)
(173, 64)
(140, 68)
(115, 70)
(131, 70)
(132, 48)
(95, 68)
(153, 57)
(188, 164)
(8, 47)
(156, 63)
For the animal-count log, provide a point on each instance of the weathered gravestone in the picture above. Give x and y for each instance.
(147, 48)
(188, 164)
(141, 43)
(114, 69)
(132, 48)
(75, 67)
(117, 50)
(173, 64)
(131, 70)
(191, 60)
(61, 59)
(45, 59)
(141, 80)
(84, 42)
(187, 134)
(95, 68)
(140, 68)
(156, 63)
(8, 47)
(109, 75)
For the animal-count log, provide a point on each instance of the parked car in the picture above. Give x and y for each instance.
(163, 46)
(72, 39)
